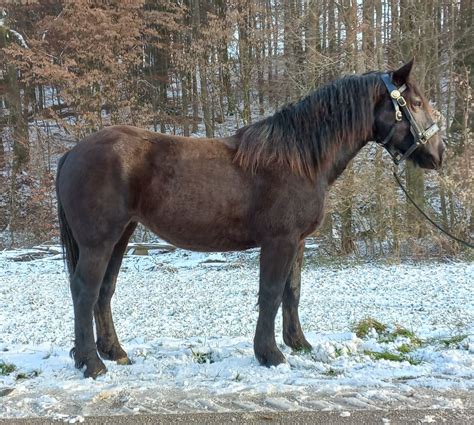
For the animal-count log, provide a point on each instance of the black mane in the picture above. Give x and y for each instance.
(303, 134)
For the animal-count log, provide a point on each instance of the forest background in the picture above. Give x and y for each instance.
(69, 68)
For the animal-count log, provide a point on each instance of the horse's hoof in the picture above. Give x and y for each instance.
(299, 344)
(271, 358)
(124, 361)
(114, 353)
(94, 372)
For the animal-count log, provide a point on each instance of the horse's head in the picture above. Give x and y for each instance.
(404, 121)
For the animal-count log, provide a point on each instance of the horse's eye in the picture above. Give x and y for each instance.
(417, 103)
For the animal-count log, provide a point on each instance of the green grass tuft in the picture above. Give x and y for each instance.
(363, 327)
(6, 368)
(33, 374)
(413, 361)
(202, 358)
(405, 348)
(386, 355)
(400, 331)
(404, 332)
(332, 372)
(453, 341)
(387, 336)
(301, 350)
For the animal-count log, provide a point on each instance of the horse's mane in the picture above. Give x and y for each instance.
(303, 134)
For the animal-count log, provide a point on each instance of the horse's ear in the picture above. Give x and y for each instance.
(401, 75)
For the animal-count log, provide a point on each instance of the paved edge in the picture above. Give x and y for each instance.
(333, 417)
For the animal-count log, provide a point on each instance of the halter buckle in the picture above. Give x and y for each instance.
(401, 101)
(395, 94)
(398, 115)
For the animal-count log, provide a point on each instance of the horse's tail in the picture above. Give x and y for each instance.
(68, 243)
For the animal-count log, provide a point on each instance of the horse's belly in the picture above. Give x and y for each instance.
(195, 237)
(200, 226)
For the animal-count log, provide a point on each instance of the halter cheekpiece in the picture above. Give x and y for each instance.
(420, 135)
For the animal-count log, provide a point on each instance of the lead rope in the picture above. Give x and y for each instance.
(397, 178)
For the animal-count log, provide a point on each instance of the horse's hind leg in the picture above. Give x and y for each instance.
(108, 345)
(292, 332)
(85, 287)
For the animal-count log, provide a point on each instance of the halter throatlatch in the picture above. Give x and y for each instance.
(420, 135)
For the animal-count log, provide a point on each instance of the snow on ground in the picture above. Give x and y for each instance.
(187, 321)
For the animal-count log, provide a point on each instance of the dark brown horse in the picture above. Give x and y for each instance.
(263, 187)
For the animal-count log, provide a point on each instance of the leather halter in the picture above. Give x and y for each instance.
(420, 135)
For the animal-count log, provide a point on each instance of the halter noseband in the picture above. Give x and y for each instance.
(420, 136)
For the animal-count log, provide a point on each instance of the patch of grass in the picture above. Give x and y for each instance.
(455, 341)
(404, 332)
(332, 372)
(301, 350)
(452, 341)
(202, 358)
(400, 331)
(386, 355)
(363, 327)
(6, 368)
(21, 376)
(385, 335)
(413, 361)
(405, 348)
(29, 375)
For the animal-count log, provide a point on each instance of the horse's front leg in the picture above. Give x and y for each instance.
(276, 259)
(292, 332)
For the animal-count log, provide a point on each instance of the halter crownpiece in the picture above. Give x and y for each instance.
(420, 136)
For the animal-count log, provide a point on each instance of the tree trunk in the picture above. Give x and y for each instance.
(414, 176)
(245, 58)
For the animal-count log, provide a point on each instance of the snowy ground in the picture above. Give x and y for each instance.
(187, 321)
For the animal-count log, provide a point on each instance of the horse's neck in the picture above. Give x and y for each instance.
(341, 159)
